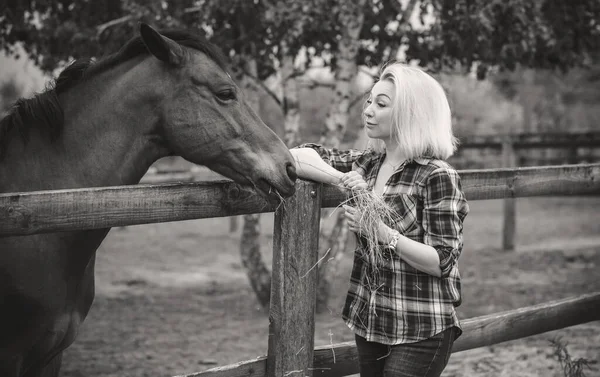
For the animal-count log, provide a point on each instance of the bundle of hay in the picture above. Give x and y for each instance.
(374, 210)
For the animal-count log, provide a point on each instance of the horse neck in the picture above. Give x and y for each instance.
(110, 135)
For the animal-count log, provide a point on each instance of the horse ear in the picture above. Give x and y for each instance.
(160, 46)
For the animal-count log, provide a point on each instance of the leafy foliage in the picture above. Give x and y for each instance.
(507, 33)
(53, 31)
(451, 33)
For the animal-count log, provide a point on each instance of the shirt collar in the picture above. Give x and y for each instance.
(419, 160)
(423, 160)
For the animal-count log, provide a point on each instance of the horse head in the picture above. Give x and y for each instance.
(206, 120)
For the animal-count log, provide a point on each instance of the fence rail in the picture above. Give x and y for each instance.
(533, 140)
(341, 359)
(95, 208)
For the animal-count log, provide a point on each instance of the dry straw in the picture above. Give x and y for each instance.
(374, 210)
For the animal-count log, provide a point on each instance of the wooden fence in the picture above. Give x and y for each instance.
(292, 312)
(514, 150)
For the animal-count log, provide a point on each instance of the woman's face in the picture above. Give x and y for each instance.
(378, 113)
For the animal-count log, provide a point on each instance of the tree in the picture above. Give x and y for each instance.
(489, 34)
(502, 34)
(347, 57)
(265, 41)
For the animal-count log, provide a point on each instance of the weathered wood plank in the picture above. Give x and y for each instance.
(509, 221)
(481, 184)
(583, 179)
(94, 208)
(294, 283)
(533, 140)
(179, 177)
(527, 321)
(478, 332)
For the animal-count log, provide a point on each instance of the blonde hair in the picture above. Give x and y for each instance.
(421, 117)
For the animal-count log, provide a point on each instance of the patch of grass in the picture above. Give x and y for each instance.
(570, 367)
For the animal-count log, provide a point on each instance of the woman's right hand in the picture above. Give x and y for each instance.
(353, 181)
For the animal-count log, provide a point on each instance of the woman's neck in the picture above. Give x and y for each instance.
(393, 155)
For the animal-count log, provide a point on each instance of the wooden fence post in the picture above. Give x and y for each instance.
(508, 230)
(233, 224)
(294, 283)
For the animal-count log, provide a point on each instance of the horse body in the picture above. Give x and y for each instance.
(117, 122)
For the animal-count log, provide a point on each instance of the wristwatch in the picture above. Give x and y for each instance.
(395, 237)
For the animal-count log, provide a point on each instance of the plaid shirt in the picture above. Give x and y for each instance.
(398, 303)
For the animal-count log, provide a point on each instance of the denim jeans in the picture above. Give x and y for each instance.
(426, 358)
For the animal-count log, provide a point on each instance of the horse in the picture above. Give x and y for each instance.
(103, 123)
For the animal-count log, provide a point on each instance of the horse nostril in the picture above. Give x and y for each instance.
(291, 171)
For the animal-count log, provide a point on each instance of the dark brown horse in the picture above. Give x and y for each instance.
(104, 124)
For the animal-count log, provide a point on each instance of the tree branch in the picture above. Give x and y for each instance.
(367, 72)
(102, 27)
(192, 9)
(407, 12)
(263, 86)
(311, 84)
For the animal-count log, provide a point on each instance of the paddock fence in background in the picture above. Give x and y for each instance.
(525, 149)
(491, 151)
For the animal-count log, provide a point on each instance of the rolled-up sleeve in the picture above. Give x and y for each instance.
(339, 159)
(444, 210)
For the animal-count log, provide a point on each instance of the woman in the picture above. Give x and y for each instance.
(402, 311)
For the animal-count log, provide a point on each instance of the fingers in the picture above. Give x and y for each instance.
(349, 213)
(353, 180)
(348, 209)
(352, 218)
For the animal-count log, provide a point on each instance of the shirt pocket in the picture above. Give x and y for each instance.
(406, 206)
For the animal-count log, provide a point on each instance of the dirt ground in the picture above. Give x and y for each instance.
(173, 298)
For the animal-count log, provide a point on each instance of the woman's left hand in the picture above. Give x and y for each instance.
(353, 217)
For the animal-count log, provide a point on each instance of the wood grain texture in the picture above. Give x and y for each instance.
(478, 332)
(509, 160)
(294, 283)
(95, 208)
(533, 140)
(582, 179)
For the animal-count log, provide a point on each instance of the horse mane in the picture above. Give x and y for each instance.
(44, 109)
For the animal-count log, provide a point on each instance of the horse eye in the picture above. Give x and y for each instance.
(226, 95)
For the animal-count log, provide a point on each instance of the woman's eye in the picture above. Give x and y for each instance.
(226, 95)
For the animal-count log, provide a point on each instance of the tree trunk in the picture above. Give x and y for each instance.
(351, 15)
(336, 240)
(258, 274)
(256, 270)
(404, 25)
(290, 98)
(346, 69)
